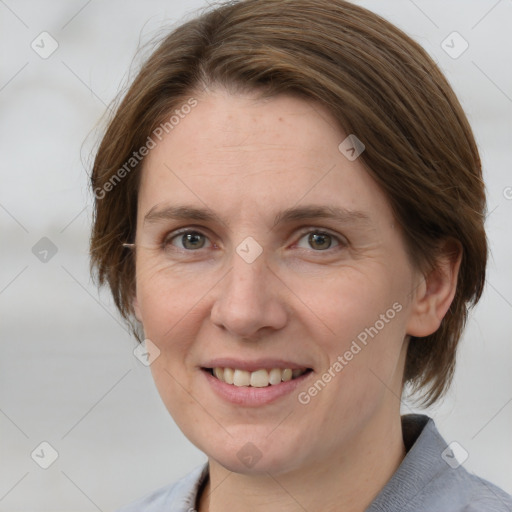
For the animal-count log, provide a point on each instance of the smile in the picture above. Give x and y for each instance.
(258, 379)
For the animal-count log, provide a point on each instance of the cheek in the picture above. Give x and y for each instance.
(348, 301)
(168, 300)
(172, 383)
(362, 325)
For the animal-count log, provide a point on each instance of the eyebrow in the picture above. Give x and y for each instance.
(307, 212)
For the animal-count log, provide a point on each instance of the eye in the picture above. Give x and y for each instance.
(188, 239)
(192, 240)
(320, 240)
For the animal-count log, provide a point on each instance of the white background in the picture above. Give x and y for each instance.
(67, 372)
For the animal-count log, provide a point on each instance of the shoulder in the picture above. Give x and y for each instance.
(180, 495)
(462, 491)
(483, 496)
(431, 478)
(454, 486)
(151, 502)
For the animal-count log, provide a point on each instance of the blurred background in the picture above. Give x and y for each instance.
(68, 376)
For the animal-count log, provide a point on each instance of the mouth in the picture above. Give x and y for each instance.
(261, 378)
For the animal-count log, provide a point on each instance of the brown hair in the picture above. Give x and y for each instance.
(376, 81)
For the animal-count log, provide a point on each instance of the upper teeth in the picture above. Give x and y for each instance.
(258, 379)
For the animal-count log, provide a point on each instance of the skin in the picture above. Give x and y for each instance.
(247, 159)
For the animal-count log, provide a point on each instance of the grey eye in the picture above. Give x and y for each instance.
(319, 240)
(188, 240)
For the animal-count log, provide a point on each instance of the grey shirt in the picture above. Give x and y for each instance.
(429, 479)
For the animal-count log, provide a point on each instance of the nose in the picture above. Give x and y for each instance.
(250, 300)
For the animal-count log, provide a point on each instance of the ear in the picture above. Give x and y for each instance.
(434, 293)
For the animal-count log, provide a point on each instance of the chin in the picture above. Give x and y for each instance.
(258, 457)
(261, 467)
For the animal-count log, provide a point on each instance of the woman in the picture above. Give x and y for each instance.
(289, 211)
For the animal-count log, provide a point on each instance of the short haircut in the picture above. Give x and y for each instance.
(377, 83)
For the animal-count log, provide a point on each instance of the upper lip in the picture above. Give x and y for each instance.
(253, 365)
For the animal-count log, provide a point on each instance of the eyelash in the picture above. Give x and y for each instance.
(167, 239)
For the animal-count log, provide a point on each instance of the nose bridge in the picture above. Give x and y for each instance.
(248, 269)
(245, 288)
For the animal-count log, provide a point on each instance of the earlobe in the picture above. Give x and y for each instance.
(434, 294)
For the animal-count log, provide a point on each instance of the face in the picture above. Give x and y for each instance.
(261, 248)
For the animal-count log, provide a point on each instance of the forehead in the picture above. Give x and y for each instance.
(242, 152)
(228, 126)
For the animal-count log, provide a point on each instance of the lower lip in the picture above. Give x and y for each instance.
(250, 396)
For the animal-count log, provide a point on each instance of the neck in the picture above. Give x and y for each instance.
(347, 481)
